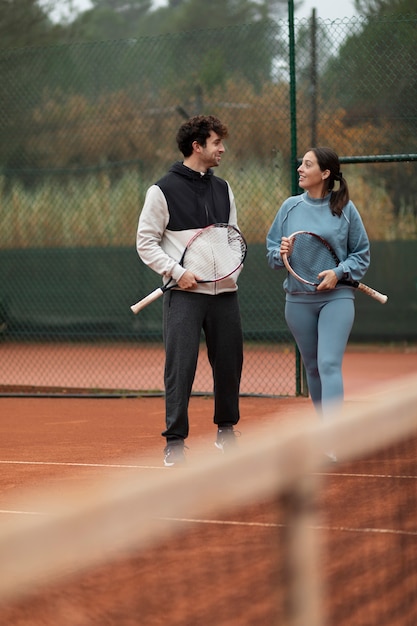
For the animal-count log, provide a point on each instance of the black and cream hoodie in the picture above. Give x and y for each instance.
(175, 208)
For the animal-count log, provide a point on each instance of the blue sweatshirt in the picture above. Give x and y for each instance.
(346, 234)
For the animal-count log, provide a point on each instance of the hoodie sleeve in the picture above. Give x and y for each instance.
(153, 221)
(233, 210)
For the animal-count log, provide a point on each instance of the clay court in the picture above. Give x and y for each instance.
(223, 571)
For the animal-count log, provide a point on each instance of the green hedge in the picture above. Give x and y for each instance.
(85, 293)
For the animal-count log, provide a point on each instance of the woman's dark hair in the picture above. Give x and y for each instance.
(198, 129)
(328, 160)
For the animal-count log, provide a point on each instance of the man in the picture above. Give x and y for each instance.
(188, 198)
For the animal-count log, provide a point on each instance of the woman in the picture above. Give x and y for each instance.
(321, 318)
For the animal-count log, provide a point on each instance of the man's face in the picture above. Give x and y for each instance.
(210, 155)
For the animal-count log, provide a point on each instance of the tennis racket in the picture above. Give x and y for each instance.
(310, 255)
(212, 254)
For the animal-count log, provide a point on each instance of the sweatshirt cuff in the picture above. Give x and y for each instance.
(177, 272)
(341, 272)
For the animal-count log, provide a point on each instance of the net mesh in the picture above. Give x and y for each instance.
(370, 544)
(273, 534)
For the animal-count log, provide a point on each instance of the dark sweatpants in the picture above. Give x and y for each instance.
(185, 315)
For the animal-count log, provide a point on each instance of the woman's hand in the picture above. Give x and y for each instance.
(286, 246)
(328, 280)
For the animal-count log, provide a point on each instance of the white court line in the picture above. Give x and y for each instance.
(387, 531)
(162, 467)
(222, 522)
(10, 512)
(350, 475)
(118, 465)
(106, 465)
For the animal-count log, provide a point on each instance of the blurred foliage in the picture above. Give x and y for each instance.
(105, 109)
(26, 23)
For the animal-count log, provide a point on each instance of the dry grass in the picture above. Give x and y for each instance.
(97, 210)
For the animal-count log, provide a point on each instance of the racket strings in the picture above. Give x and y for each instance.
(309, 257)
(216, 253)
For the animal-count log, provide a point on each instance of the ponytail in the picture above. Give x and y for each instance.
(339, 198)
(328, 160)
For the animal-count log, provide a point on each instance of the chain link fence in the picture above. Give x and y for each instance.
(86, 128)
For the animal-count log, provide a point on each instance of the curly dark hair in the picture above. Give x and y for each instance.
(198, 129)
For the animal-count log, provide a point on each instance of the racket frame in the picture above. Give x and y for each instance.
(157, 293)
(369, 291)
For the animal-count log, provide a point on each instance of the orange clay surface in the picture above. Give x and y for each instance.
(51, 441)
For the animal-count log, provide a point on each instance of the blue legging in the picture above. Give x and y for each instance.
(321, 331)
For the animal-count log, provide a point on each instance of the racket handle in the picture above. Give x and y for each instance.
(373, 293)
(154, 295)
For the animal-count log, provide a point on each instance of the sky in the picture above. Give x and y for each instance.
(325, 9)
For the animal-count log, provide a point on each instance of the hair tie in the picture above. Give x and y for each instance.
(340, 175)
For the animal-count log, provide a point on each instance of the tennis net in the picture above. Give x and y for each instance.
(273, 534)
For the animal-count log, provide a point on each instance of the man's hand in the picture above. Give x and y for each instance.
(188, 280)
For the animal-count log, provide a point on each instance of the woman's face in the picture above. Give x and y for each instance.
(311, 177)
